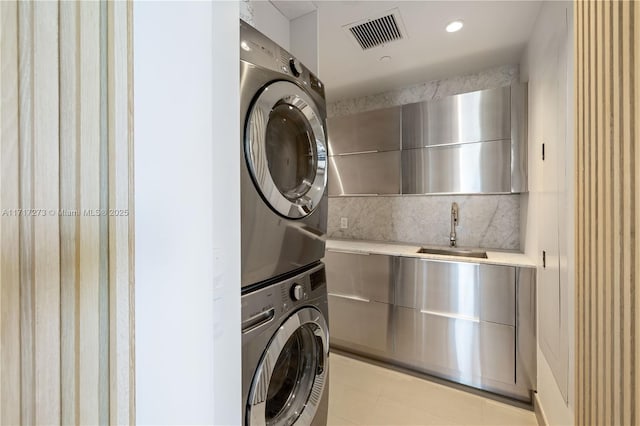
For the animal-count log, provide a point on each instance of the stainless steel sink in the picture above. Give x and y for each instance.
(454, 252)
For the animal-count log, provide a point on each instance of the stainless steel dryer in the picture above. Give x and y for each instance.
(284, 160)
(285, 350)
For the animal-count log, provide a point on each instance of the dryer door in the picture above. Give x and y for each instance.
(290, 379)
(285, 148)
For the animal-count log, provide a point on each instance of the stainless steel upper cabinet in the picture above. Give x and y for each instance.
(469, 143)
(470, 117)
(365, 174)
(370, 131)
(481, 167)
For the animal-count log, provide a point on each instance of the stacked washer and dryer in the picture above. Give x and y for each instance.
(285, 336)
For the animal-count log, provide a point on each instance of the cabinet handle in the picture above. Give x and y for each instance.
(363, 253)
(344, 296)
(344, 154)
(452, 316)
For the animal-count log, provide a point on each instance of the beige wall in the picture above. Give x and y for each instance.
(66, 346)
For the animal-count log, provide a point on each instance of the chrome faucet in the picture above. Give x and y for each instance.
(454, 223)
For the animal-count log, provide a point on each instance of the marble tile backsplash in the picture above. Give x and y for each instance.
(246, 12)
(489, 221)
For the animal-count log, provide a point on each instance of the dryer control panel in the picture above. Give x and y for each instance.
(258, 49)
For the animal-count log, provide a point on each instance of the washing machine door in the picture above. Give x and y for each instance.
(285, 149)
(290, 379)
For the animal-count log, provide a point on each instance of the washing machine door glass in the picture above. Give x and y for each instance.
(290, 378)
(285, 147)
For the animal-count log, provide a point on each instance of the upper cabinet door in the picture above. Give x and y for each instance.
(371, 131)
(375, 173)
(478, 116)
(470, 168)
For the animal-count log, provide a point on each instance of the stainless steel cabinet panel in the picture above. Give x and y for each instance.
(467, 168)
(366, 276)
(414, 125)
(359, 324)
(484, 115)
(377, 130)
(365, 174)
(478, 116)
(526, 328)
(468, 351)
(457, 289)
(497, 294)
(519, 100)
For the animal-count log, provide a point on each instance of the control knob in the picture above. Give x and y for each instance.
(297, 292)
(295, 66)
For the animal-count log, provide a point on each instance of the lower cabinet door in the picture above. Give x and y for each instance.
(359, 324)
(458, 348)
(363, 275)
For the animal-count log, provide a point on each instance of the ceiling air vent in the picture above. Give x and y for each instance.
(376, 31)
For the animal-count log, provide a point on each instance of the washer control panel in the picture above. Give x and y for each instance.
(275, 300)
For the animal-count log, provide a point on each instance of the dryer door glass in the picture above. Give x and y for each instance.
(291, 151)
(290, 379)
(285, 148)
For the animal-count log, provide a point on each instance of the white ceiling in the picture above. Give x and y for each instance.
(495, 33)
(293, 9)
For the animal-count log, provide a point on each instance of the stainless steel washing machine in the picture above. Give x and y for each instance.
(284, 160)
(285, 351)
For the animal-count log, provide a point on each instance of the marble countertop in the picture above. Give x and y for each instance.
(509, 258)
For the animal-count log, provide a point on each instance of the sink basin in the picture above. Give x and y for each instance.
(454, 252)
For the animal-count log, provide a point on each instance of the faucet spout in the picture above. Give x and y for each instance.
(454, 223)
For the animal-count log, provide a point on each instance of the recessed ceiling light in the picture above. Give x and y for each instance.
(454, 26)
(385, 58)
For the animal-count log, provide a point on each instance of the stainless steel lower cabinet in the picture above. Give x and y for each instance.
(467, 351)
(360, 324)
(457, 289)
(467, 322)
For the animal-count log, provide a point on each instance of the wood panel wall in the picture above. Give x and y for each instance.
(66, 265)
(607, 216)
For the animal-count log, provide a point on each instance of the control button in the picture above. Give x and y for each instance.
(295, 66)
(297, 292)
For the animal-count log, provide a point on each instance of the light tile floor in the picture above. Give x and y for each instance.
(365, 394)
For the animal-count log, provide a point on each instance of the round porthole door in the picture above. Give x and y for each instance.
(285, 148)
(290, 379)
